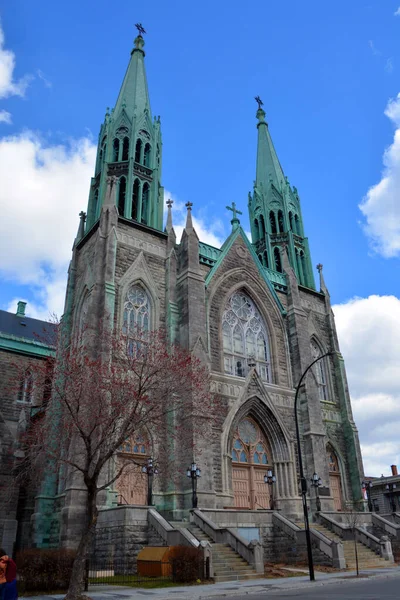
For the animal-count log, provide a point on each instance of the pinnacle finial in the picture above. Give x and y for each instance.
(189, 224)
(139, 41)
(235, 221)
(169, 226)
(169, 203)
(259, 101)
(320, 267)
(189, 205)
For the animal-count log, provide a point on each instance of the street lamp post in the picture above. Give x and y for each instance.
(270, 479)
(390, 487)
(316, 483)
(303, 480)
(367, 485)
(193, 472)
(150, 470)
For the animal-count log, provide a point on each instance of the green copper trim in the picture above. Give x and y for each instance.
(208, 255)
(224, 251)
(21, 345)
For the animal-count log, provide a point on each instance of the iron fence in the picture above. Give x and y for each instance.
(142, 572)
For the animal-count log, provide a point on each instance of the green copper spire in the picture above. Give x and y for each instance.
(130, 150)
(275, 212)
(134, 94)
(269, 169)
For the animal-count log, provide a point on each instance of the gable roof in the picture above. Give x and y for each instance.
(26, 335)
(227, 245)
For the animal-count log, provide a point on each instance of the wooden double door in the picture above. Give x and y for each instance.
(249, 488)
(251, 459)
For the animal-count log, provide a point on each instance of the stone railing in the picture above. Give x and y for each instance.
(332, 549)
(170, 535)
(252, 551)
(382, 546)
(180, 537)
(392, 529)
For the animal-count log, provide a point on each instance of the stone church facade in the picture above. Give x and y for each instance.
(250, 310)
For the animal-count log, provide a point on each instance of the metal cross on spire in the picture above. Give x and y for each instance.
(169, 202)
(259, 101)
(234, 210)
(140, 28)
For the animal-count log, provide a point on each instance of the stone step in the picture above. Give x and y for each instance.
(223, 578)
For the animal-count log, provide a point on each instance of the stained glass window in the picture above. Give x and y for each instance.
(245, 338)
(136, 310)
(319, 371)
(250, 443)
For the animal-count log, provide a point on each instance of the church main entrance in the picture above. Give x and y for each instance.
(251, 458)
(334, 479)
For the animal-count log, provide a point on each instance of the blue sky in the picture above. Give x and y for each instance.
(326, 73)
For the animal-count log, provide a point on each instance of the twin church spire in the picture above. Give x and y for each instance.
(130, 150)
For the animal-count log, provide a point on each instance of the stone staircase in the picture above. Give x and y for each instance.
(367, 559)
(227, 564)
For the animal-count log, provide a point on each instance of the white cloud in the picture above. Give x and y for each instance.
(5, 117)
(397, 13)
(389, 65)
(374, 50)
(369, 335)
(8, 86)
(42, 76)
(43, 189)
(381, 206)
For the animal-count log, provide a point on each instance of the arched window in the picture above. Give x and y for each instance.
(262, 227)
(280, 221)
(147, 155)
(115, 154)
(136, 311)
(251, 458)
(96, 204)
(257, 235)
(135, 199)
(291, 220)
(272, 221)
(25, 391)
(145, 203)
(319, 371)
(125, 149)
(138, 150)
(245, 338)
(121, 196)
(277, 259)
(303, 266)
(297, 225)
(266, 261)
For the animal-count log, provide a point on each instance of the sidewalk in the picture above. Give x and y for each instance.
(226, 589)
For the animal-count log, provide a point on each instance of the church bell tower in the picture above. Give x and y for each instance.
(275, 212)
(130, 149)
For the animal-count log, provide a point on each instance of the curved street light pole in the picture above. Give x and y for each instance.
(302, 478)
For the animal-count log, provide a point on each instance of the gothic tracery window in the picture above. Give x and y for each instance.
(136, 311)
(249, 444)
(319, 371)
(25, 391)
(245, 338)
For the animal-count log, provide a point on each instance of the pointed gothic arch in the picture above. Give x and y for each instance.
(259, 408)
(335, 477)
(121, 195)
(245, 337)
(138, 150)
(147, 155)
(115, 150)
(131, 487)
(320, 369)
(277, 259)
(280, 222)
(272, 221)
(125, 148)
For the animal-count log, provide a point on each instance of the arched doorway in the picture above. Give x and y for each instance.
(132, 485)
(251, 458)
(334, 478)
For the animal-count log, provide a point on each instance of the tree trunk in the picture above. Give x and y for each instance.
(77, 581)
(356, 551)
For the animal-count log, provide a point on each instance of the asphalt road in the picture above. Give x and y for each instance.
(362, 589)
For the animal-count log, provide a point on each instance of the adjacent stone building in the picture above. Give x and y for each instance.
(250, 310)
